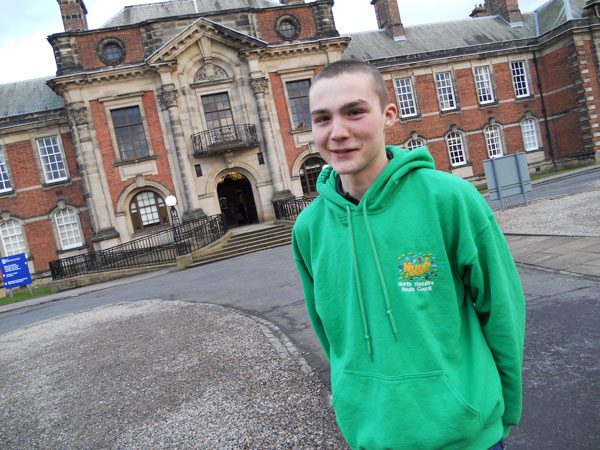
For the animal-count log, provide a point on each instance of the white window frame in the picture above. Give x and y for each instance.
(69, 231)
(456, 149)
(445, 91)
(407, 102)
(52, 159)
(518, 70)
(5, 183)
(414, 143)
(529, 133)
(12, 233)
(493, 141)
(484, 85)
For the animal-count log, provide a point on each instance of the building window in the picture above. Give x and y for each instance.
(148, 210)
(287, 27)
(519, 77)
(5, 185)
(130, 133)
(51, 157)
(111, 51)
(445, 91)
(529, 132)
(13, 238)
(298, 97)
(309, 172)
(217, 110)
(493, 140)
(456, 150)
(406, 98)
(483, 84)
(415, 143)
(67, 226)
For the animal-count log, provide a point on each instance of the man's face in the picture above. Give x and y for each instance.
(348, 123)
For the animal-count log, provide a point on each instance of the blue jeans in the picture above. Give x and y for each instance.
(501, 445)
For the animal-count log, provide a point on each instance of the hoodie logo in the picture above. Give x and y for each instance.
(417, 272)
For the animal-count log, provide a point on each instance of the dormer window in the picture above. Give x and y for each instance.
(111, 51)
(287, 27)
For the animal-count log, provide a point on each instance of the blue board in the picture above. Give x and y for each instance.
(15, 271)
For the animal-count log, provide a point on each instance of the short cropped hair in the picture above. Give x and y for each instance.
(352, 66)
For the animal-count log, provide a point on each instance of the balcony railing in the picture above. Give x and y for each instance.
(224, 138)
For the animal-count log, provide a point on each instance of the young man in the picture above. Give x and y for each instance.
(408, 281)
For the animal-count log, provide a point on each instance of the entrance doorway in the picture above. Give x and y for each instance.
(236, 200)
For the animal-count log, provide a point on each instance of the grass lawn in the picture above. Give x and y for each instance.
(23, 294)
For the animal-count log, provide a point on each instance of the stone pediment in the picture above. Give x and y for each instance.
(203, 32)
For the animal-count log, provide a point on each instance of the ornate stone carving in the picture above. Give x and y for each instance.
(167, 98)
(78, 116)
(210, 72)
(259, 85)
(228, 156)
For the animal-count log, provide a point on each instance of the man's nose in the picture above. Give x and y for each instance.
(339, 130)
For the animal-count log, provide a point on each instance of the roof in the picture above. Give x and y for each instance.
(462, 34)
(29, 96)
(130, 15)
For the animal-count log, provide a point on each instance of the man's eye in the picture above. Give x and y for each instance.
(320, 119)
(355, 112)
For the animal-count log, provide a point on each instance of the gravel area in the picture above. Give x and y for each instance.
(159, 375)
(572, 215)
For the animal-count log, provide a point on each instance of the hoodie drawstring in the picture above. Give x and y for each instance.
(388, 306)
(361, 302)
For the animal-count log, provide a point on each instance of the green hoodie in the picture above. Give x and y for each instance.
(418, 306)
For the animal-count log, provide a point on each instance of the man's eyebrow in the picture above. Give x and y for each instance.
(346, 106)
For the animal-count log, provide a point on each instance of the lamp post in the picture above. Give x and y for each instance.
(171, 201)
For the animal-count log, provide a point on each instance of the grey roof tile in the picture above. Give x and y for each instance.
(29, 96)
(151, 11)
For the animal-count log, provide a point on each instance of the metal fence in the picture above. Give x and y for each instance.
(158, 248)
(289, 209)
(224, 138)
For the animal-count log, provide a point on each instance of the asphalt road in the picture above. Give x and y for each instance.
(562, 350)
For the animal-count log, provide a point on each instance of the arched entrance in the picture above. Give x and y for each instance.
(236, 200)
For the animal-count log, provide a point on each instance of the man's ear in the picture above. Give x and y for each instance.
(390, 112)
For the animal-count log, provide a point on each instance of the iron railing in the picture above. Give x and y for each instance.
(159, 248)
(289, 209)
(224, 138)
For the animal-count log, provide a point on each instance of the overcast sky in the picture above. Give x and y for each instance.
(24, 25)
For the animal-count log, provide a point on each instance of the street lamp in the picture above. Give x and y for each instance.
(171, 201)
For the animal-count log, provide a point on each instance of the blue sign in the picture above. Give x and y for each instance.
(15, 271)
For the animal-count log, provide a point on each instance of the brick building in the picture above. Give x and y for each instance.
(176, 98)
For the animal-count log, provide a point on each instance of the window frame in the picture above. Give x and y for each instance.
(402, 101)
(463, 150)
(59, 232)
(524, 79)
(304, 177)
(307, 124)
(161, 211)
(5, 176)
(57, 145)
(121, 155)
(449, 90)
(410, 147)
(534, 130)
(25, 248)
(483, 84)
(487, 133)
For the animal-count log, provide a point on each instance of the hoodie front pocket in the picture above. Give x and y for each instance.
(418, 411)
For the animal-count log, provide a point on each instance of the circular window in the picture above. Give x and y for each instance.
(111, 51)
(287, 27)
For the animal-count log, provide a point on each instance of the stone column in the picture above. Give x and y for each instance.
(260, 86)
(167, 97)
(89, 167)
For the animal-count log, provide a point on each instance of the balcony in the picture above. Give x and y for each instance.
(224, 138)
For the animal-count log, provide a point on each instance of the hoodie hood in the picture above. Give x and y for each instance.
(403, 161)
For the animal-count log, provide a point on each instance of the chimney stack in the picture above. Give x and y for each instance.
(479, 11)
(73, 15)
(507, 9)
(388, 18)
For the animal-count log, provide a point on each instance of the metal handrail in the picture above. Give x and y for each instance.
(290, 208)
(158, 248)
(223, 138)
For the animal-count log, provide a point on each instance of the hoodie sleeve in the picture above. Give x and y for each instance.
(309, 294)
(493, 281)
